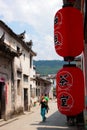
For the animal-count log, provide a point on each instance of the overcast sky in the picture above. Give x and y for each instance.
(36, 17)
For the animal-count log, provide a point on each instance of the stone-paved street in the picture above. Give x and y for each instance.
(32, 120)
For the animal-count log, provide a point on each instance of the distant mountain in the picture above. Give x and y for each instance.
(45, 67)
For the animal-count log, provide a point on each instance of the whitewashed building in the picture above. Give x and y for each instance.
(16, 62)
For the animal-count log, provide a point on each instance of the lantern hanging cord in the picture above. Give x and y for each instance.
(69, 3)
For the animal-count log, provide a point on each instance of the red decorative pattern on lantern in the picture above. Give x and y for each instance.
(66, 80)
(65, 101)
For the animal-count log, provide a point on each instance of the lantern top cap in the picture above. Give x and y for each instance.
(69, 3)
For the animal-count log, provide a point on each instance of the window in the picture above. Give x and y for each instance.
(18, 49)
(38, 83)
(30, 61)
(19, 75)
(37, 92)
(32, 91)
(25, 78)
(18, 87)
(24, 56)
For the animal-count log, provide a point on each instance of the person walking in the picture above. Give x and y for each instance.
(43, 108)
(47, 99)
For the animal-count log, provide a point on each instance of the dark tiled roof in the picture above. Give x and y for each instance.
(15, 36)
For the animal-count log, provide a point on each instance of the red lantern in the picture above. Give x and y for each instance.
(70, 90)
(68, 32)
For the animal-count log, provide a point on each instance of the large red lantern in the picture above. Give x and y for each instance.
(68, 32)
(70, 90)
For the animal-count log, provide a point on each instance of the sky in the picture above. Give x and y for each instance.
(36, 17)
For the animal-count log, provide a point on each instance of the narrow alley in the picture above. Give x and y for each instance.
(32, 120)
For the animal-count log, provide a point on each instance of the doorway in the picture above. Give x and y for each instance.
(2, 100)
(25, 99)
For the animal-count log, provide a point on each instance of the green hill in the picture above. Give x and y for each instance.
(45, 67)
